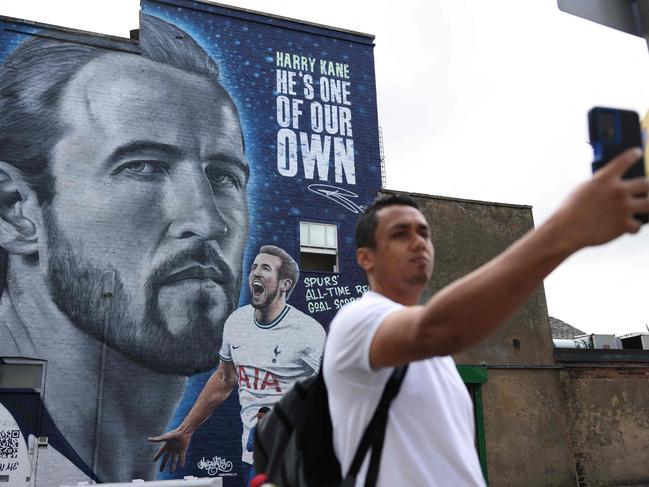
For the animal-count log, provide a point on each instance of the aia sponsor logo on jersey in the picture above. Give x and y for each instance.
(258, 379)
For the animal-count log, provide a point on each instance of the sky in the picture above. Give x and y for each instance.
(478, 100)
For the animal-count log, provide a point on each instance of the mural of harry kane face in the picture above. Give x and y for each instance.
(264, 282)
(150, 202)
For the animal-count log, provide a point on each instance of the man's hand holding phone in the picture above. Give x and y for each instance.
(604, 207)
(612, 131)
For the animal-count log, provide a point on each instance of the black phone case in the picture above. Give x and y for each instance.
(612, 131)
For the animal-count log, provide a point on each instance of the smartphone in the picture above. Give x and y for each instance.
(612, 131)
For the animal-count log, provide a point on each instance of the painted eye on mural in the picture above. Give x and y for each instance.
(143, 168)
(220, 179)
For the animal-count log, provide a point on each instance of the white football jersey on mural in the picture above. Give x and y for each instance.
(269, 358)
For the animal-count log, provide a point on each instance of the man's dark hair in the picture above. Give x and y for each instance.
(366, 224)
(289, 268)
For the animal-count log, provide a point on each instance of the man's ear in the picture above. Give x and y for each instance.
(285, 285)
(365, 258)
(18, 234)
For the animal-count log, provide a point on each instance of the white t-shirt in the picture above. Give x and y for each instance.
(430, 435)
(269, 358)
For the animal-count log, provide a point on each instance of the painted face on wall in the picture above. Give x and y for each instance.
(264, 280)
(150, 204)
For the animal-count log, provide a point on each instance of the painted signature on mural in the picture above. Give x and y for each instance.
(337, 195)
(215, 465)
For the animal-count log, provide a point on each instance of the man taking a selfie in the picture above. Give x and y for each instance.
(429, 440)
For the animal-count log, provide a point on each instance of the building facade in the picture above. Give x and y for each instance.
(141, 177)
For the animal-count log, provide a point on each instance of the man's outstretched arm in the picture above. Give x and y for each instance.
(175, 442)
(470, 309)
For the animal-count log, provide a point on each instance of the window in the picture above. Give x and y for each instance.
(20, 374)
(318, 247)
(22, 382)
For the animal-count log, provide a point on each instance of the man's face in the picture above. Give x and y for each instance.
(264, 280)
(150, 204)
(404, 252)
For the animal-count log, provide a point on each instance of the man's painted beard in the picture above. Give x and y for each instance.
(138, 330)
(262, 295)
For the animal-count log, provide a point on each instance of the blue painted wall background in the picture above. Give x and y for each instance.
(245, 47)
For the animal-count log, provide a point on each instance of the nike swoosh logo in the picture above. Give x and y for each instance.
(234, 348)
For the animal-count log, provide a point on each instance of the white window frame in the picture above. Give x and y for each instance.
(310, 244)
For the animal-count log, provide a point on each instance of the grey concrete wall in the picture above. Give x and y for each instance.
(527, 435)
(586, 426)
(607, 408)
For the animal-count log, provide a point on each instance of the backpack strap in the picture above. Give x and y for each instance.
(374, 434)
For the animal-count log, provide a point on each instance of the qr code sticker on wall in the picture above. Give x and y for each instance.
(9, 443)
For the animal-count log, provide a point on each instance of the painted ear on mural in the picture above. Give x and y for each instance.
(285, 285)
(18, 234)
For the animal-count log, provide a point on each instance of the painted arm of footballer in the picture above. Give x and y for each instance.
(175, 442)
(470, 309)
